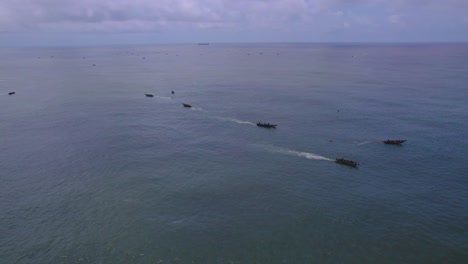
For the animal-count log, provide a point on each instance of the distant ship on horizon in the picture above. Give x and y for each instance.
(203, 43)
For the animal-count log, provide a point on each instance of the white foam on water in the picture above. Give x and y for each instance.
(368, 142)
(163, 97)
(307, 155)
(236, 121)
(196, 108)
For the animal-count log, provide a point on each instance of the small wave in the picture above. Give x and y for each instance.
(196, 108)
(307, 155)
(163, 97)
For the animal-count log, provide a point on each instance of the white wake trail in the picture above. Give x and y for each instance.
(368, 142)
(307, 155)
(236, 121)
(163, 97)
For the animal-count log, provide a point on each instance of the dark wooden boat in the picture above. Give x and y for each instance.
(187, 105)
(347, 162)
(394, 142)
(11, 93)
(149, 95)
(267, 125)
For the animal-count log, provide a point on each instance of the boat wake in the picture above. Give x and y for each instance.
(368, 142)
(163, 97)
(307, 155)
(196, 108)
(236, 121)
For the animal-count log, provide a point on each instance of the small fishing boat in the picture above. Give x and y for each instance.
(172, 92)
(11, 93)
(187, 105)
(394, 142)
(347, 162)
(267, 125)
(149, 95)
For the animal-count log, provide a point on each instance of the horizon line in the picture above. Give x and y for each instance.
(234, 43)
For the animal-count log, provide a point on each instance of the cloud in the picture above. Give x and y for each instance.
(52, 15)
(310, 20)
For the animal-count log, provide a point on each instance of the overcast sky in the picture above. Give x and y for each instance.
(115, 22)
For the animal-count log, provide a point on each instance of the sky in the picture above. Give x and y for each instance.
(123, 22)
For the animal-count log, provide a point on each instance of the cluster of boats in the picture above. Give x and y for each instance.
(337, 160)
(354, 163)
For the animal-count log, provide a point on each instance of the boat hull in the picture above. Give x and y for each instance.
(347, 162)
(266, 125)
(394, 142)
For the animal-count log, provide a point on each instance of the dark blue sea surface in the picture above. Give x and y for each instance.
(92, 171)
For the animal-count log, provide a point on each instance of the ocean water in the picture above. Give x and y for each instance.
(92, 171)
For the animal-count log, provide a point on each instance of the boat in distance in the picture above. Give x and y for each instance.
(347, 162)
(394, 142)
(149, 95)
(187, 105)
(267, 125)
(11, 93)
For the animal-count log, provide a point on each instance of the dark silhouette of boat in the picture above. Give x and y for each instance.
(172, 92)
(394, 142)
(187, 105)
(347, 162)
(149, 95)
(11, 93)
(267, 125)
